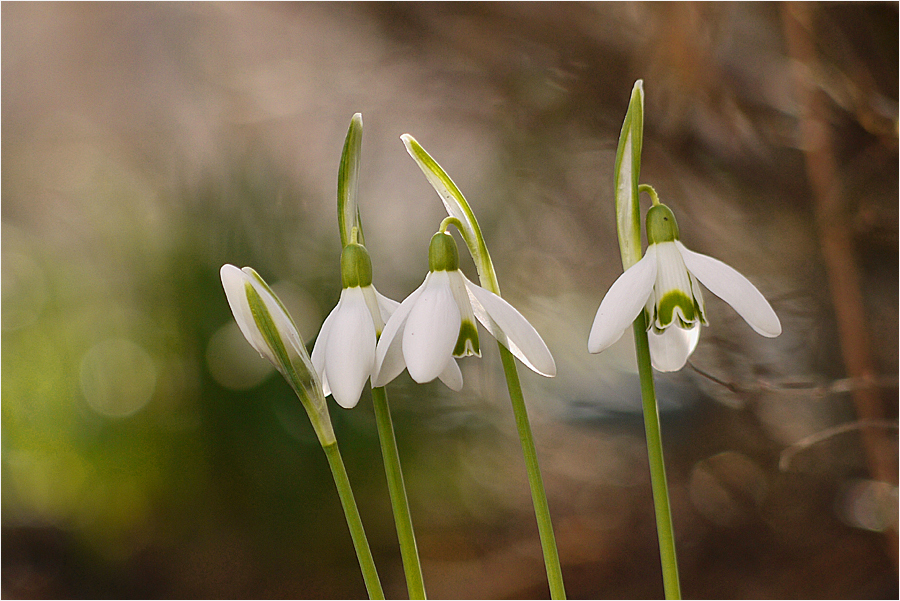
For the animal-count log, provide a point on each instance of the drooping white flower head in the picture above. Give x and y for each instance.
(269, 329)
(344, 353)
(274, 336)
(665, 284)
(436, 324)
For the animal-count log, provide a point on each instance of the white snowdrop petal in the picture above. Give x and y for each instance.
(509, 327)
(234, 282)
(389, 362)
(319, 350)
(462, 298)
(733, 288)
(386, 305)
(350, 350)
(670, 349)
(431, 330)
(452, 376)
(624, 301)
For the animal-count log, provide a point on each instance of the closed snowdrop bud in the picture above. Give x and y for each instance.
(269, 329)
(666, 282)
(261, 316)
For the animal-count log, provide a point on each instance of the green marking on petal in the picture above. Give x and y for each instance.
(266, 326)
(467, 343)
(665, 308)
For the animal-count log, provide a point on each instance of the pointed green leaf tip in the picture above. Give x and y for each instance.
(625, 178)
(443, 254)
(348, 182)
(661, 225)
(457, 206)
(356, 266)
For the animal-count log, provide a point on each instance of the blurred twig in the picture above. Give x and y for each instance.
(789, 453)
(836, 240)
(820, 389)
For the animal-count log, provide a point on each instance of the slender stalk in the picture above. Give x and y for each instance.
(535, 481)
(408, 550)
(354, 522)
(664, 528)
(463, 218)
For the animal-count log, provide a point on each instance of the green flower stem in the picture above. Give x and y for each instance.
(535, 481)
(408, 550)
(461, 215)
(354, 522)
(664, 528)
(654, 197)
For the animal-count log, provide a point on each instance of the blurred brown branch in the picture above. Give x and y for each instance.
(835, 238)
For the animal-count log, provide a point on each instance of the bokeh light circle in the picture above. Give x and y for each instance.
(232, 362)
(118, 377)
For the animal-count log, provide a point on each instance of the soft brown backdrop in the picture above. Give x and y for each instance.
(146, 452)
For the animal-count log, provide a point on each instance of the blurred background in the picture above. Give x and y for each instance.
(148, 452)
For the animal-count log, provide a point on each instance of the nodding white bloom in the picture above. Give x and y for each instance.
(436, 323)
(665, 284)
(269, 329)
(261, 317)
(344, 353)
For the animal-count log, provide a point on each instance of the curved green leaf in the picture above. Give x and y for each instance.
(457, 207)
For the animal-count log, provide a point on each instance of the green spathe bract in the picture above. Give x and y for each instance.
(625, 178)
(457, 207)
(348, 183)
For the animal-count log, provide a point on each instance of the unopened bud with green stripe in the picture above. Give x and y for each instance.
(269, 329)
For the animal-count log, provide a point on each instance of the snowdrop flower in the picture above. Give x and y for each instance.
(665, 284)
(261, 317)
(436, 323)
(269, 329)
(344, 353)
